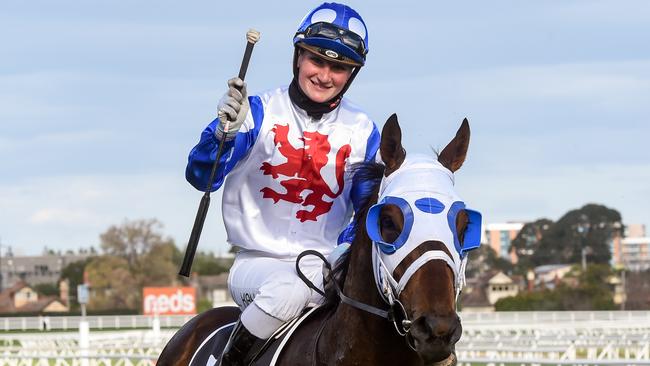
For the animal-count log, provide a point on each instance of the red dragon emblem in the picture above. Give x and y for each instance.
(303, 169)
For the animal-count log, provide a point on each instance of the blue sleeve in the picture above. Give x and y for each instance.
(361, 188)
(203, 155)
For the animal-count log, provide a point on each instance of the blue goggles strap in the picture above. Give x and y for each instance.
(472, 238)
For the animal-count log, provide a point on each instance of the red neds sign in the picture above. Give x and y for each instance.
(169, 300)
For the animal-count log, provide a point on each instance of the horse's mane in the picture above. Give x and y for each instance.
(366, 177)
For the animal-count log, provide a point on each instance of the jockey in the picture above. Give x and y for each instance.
(287, 157)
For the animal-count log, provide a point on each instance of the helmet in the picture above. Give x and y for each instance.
(336, 32)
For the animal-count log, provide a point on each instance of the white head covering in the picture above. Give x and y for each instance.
(423, 189)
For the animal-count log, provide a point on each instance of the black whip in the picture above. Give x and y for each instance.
(252, 36)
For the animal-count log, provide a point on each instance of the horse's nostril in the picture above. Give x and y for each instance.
(456, 331)
(445, 328)
(440, 327)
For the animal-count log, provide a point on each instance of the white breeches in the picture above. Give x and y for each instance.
(273, 288)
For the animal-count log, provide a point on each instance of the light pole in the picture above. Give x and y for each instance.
(8, 255)
(1, 276)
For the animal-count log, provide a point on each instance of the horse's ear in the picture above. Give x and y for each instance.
(391, 150)
(453, 155)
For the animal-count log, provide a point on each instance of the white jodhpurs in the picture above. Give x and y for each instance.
(269, 291)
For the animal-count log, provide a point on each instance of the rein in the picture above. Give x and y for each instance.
(396, 313)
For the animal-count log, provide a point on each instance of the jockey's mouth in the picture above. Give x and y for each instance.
(321, 86)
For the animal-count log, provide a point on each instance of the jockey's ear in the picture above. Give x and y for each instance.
(453, 155)
(391, 150)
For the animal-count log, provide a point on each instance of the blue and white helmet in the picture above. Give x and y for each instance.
(335, 31)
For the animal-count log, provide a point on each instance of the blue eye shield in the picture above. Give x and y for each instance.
(438, 219)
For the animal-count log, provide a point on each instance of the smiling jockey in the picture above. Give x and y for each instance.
(287, 158)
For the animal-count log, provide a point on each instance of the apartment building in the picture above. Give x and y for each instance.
(34, 270)
(633, 250)
(499, 236)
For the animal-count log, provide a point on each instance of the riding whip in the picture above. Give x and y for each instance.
(252, 36)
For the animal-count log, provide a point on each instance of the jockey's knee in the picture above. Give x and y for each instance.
(284, 297)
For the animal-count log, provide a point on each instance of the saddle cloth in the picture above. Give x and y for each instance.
(210, 350)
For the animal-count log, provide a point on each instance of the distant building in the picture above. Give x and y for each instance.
(499, 236)
(481, 293)
(501, 286)
(550, 275)
(20, 298)
(632, 251)
(635, 231)
(34, 270)
(635, 254)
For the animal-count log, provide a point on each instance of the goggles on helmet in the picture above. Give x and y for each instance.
(333, 32)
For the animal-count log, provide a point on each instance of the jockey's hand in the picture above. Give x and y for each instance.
(235, 105)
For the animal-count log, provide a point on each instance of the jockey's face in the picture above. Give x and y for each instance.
(320, 79)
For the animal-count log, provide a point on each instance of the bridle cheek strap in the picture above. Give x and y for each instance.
(390, 289)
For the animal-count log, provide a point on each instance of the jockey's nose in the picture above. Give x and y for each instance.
(323, 75)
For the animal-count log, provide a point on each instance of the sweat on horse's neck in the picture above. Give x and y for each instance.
(358, 337)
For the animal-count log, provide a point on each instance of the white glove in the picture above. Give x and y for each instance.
(235, 105)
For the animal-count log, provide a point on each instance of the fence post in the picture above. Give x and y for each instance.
(84, 342)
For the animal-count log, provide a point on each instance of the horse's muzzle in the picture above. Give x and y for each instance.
(434, 338)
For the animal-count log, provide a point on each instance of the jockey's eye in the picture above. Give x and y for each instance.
(391, 222)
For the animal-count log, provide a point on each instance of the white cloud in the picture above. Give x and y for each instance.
(623, 81)
(529, 193)
(71, 211)
(60, 216)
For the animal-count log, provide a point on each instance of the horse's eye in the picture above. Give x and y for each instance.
(391, 222)
(387, 223)
(461, 225)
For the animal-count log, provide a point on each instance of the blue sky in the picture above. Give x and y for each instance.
(100, 102)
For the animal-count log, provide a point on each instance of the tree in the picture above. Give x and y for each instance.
(136, 255)
(47, 289)
(207, 264)
(74, 273)
(112, 284)
(157, 267)
(133, 240)
(591, 292)
(484, 259)
(527, 242)
(590, 228)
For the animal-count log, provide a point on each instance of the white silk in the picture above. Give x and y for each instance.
(255, 222)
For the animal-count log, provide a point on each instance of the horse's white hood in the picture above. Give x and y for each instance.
(423, 189)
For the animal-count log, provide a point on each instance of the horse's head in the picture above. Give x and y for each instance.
(421, 233)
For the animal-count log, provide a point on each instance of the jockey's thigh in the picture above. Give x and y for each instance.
(273, 283)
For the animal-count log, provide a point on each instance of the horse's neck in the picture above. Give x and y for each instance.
(353, 330)
(360, 281)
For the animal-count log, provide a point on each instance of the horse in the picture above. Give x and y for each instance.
(391, 299)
